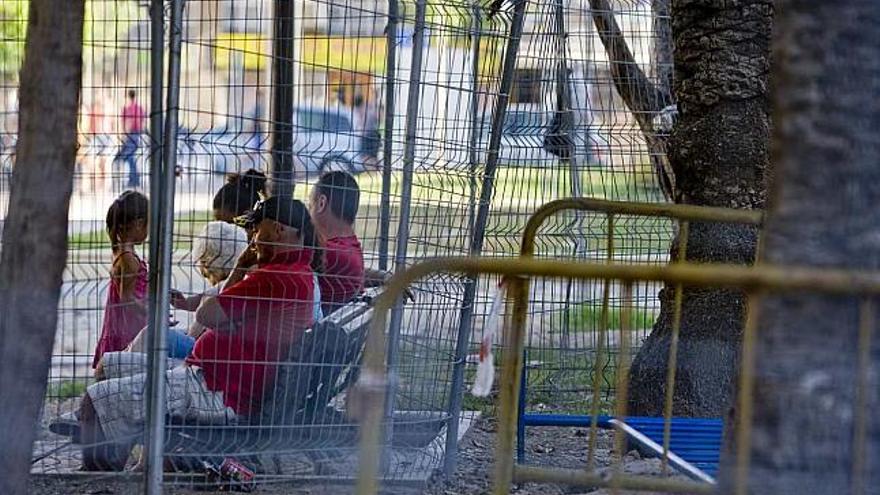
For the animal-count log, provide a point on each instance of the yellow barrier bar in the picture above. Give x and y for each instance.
(782, 278)
(623, 366)
(746, 387)
(674, 211)
(600, 350)
(683, 233)
(518, 292)
(684, 214)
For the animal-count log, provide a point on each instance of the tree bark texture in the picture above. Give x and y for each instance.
(823, 212)
(719, 152)
(34, 249)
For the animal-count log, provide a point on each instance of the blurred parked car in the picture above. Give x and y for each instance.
(323, 139)
(523, 134)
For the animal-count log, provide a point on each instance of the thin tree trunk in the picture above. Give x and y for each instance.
(719, 152)
(823, 212)
(661, 29)
(642, 97)
(34, 249)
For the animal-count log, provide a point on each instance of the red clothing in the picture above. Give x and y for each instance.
(343, 276)
(274, 305)
(122, 321)
(133, 116)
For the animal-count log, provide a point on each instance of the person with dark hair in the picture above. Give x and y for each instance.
(125, 311)
(133, 120)
(239, 195)
(334, 204)
(265, 307)
(339, 262)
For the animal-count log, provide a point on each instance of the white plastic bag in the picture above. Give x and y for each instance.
(486, 367)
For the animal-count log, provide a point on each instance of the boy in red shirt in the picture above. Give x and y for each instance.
(266, 305)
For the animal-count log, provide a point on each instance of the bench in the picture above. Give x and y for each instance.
(302, 410)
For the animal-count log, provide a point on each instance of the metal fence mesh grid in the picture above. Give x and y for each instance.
(343, 119)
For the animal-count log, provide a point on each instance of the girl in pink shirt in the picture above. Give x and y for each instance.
(125, 313)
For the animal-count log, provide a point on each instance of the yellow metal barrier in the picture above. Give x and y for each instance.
(684, 214)
(369, 396)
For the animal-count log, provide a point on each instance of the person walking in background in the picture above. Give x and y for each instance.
(133, 120)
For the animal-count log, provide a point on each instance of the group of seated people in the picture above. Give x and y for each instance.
(274, 267)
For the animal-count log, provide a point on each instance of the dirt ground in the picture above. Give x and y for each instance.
(558, 447)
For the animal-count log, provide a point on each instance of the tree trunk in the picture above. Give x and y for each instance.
(823, 212)
(719, 154)
(34, 250)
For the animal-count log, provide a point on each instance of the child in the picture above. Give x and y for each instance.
(215, 249)
(125, 312)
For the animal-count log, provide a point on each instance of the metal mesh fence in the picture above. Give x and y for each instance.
(402, 95)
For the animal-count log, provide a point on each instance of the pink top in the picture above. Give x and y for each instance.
(121, 320)
(133, 118)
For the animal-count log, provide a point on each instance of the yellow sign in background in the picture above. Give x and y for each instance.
(355, 54)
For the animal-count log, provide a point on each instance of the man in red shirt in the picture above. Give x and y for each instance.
(133, 118)
(257, 317)
(266, 305)
(333, 205)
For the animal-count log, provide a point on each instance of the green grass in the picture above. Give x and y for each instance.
(588, 317)
(441, 207)
(531, 184)
(561, 381)
(185, 226)
(67, 389)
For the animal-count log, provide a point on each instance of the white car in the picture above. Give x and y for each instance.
(324, 139)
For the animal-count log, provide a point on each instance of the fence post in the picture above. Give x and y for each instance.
(153, 475)
(476, 247)
(565, 115)
(162, 183)
(476, 122)
(282, 97)
(400, 254)
(388, 148)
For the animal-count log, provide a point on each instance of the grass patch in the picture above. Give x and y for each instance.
(185, 227)
(67, 389)
(561, 381)
(588, 317)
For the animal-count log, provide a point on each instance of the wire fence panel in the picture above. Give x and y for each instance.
(323, 86)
